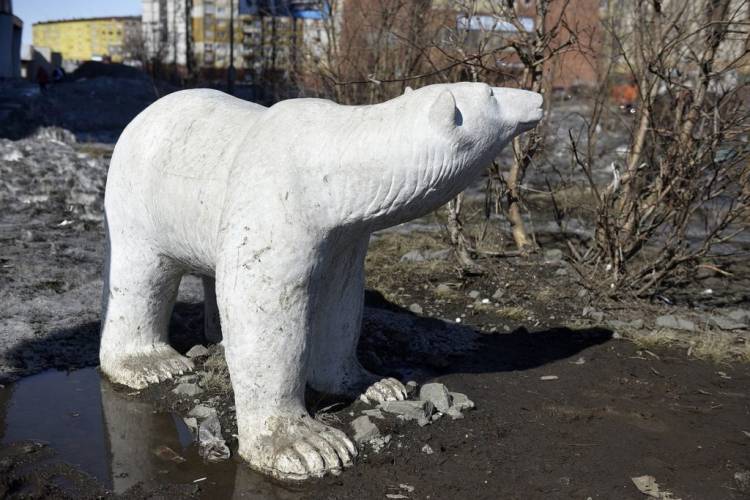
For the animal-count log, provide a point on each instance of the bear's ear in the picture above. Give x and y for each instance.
(408, 90)
(443, 113)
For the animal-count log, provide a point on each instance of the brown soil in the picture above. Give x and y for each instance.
(615, 410)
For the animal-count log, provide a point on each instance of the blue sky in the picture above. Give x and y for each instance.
(32, 11)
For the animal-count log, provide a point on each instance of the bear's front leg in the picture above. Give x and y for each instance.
(334, 367)
(264, 296)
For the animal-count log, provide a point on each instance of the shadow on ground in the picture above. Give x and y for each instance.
(394, 342)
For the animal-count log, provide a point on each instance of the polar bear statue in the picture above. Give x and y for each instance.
(277, 205)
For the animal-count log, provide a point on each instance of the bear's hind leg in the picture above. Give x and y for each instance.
(211, 322)
(140, 288)
(334, 367)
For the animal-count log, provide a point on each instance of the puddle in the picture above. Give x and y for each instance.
(113, 439)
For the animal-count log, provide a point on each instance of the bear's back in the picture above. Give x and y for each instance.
(171, 166)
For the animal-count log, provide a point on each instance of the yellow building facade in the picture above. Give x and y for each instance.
(88, 39)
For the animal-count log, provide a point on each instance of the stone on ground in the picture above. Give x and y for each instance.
(364, 429)
(413, 256)
(197, 351)
(461, 401)
(553, 256)
(724, 323)
(408, 410)
(186, 389)
(374, 413)
(201, 412)
(675, 323)
(437, 394)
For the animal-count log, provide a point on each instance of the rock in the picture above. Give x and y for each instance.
(742, 315)
(498, 294)
(168, 454)
(427, 449)
(597, 316)
(374, 413)
(649, 487)
(675, 323)
(553, 256)
(201, 412)
(413, 256)
(461, 401)
(379, 442)
(364, 429)
(438, 254)
(724, 323)
(561, 272)
(12, 155)
(443, 289)
(416, 308)
(210, 441)
(454, 413)
(197, 351)
(187, 389)
(437, 394)
(474, 294)
(636, 324)
(411, 386)
(408, 410)
(742, 480)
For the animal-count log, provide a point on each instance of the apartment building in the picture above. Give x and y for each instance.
(10, 41)
(195, 34)
(88, 39)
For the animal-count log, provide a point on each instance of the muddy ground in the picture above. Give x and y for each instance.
(574, 395)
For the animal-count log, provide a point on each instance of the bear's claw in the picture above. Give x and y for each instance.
(315, 451)
(151, 366)
(388, 389)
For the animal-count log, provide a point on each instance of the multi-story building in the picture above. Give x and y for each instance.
(195, 34)
(90, 38)
(10, 41)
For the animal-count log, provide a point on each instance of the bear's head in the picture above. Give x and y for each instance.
(475, 115)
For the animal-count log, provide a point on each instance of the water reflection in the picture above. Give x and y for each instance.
(115, 437)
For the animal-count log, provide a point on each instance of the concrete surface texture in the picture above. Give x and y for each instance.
(277, 205)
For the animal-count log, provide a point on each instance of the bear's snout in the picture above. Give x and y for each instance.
(521, 106)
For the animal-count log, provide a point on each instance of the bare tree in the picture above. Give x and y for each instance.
(683, 187)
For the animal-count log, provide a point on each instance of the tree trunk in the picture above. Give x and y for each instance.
(513, 196)
(458, 240)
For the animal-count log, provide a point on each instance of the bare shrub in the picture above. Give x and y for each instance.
(682, 189)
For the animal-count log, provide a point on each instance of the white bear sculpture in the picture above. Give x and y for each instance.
(277, 204)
